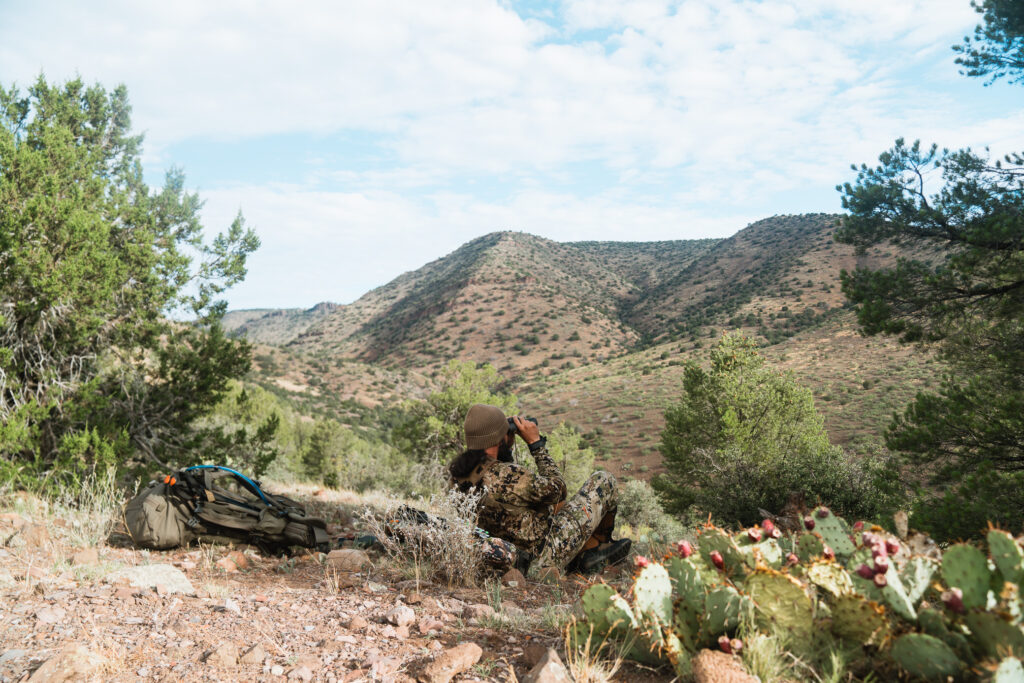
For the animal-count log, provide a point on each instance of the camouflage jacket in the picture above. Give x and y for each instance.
(517, 503)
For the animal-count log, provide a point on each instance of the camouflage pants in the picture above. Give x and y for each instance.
(575, 522)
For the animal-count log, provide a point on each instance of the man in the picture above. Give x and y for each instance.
(530, 509)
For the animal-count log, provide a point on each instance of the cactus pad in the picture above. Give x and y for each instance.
(916, 575)
(808, 546)
(925, 656)
(596, 600)
(653, 593)
(966, 568)
(687, 580)
(830, 577)
(769, 552)
(619, 615)
(995, 635)
(782, 601)
(835, 533)
(712, 538)
(859, 620)
(723, 607)
(1007, 555)
(1010, 670)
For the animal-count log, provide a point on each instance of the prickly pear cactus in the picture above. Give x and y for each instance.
(925, 656)
(713, 539)
(994, 634)
(723, 608)
(834, 531)
(653, 593)
(1007, 555)
(830, 577)
(808, 546)
(965, 567)
(1010, 670)
(916, 576)
(687, 580)
(768, 552)
(596, 600)
(859, 619)
(782, 601)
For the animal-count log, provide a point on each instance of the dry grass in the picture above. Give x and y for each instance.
(446, 548)
(591, 662)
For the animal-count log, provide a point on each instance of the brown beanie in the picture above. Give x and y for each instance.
(485, 426)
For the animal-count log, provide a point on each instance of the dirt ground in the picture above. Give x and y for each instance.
(215, 613)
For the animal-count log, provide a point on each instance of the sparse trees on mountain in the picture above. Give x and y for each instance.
(958, 288)
(746, 437)
(92, 265)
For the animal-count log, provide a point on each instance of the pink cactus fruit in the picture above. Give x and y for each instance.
(792, 559)
(881, 581)
(881, 564)
(717, 559)
(892, 546)
(725, 645)
(868, 538)
(865, 572)
(684, 548)
(954, 600)
(828, 553)
(809, 523)
(775, 533)
(737, 646)
(767, 525)
(640, 561)
(858, 526)
(822, 513)
(754, 534)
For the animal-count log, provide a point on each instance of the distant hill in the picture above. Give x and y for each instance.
(275, 326)
(596, 333)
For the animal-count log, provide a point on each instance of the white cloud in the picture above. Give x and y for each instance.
(697, 113)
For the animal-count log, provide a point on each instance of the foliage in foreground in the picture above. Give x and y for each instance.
(93, 264)
(746, 437)
(831, 593)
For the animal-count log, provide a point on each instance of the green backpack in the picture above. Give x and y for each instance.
(210, 502)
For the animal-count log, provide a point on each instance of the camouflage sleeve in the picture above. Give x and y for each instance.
(548, 486)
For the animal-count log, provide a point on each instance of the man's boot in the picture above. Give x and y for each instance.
(601, 550)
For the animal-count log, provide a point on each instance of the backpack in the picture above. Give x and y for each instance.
(211, 502)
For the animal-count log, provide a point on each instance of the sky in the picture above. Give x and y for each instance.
(364, 139)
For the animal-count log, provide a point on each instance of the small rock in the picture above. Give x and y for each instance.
(225, 655)
(428, 624)
(73, 663)
(533, 653)
(402, 632)
(254, 655)
(512, 609)
(149, 575)
(277, 670)
(239, 558)
(514, 578)
(227, 565)
(300, 673)
(357, 623)
(549, 575)
(381, 667)
(230, 605)
(477, 611)
(451, 663)
(87, 557)
(51, 615)
(549, 669)
(400, 616)
(711, 666)
(347, 560)
(414, 599)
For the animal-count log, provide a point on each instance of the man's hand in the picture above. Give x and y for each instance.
(529, 431)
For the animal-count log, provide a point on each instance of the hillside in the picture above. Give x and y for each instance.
(275, 325)
(596, 333)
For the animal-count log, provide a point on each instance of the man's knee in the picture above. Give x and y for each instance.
(605, 485)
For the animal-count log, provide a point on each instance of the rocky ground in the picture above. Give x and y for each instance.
(107, 611)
